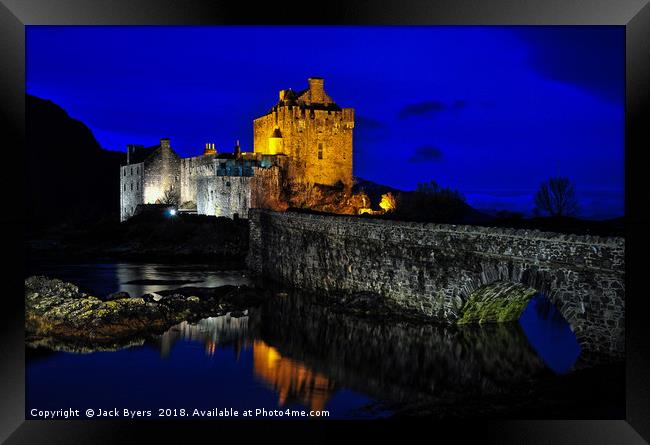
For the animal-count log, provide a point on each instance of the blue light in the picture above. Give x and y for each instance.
(550, 334)
(172, 212)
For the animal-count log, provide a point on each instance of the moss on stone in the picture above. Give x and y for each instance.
(58, 310)
(496, 303)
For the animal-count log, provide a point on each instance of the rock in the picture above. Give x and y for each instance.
(58, 310)
(237, 314)
(116, 296)
(152, 296)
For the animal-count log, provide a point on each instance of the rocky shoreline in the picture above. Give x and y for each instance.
(57, 312)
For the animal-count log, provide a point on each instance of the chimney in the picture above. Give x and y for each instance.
(237, 150)
(316, 89)
(165, 143)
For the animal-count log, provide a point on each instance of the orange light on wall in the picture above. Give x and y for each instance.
(388, 202)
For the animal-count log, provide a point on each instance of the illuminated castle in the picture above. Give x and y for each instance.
(312, 130)
(305, 138)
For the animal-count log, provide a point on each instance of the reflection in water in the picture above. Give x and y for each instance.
(398, 362)
(105, 278)
(550, 334)
(213, 332)
(296, 351)
(203, 277)
(291, 379)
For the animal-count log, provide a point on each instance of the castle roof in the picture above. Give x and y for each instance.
(303, 106)
(140, 153)
(301, 99)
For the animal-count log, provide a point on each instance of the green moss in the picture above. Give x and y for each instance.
(496, 303)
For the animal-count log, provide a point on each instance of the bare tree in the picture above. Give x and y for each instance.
(171, 196)
(556, 197)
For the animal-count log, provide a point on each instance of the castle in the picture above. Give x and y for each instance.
(305, 138)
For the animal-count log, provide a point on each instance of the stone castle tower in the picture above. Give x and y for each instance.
(312, 131)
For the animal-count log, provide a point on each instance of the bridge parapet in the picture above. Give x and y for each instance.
(432, 268)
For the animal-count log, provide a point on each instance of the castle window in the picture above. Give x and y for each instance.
(125, 185)
(124, 172)
(131, 170)
(131, 186)
(320, 151)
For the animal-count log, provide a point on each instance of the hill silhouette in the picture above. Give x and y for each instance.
(70, 179)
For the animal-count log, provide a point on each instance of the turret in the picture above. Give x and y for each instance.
(165, 143)
(317, 89)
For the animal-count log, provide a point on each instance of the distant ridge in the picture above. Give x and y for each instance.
(70, 179)
(411, 207)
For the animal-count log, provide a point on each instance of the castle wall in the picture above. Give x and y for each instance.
(161, 171)
(266, 187)
(432, 269)
(223, 195)
(191, 170)
(318, 141)
(131, 189)
(229, 195)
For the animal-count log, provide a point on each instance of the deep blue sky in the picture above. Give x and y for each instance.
(491, 111)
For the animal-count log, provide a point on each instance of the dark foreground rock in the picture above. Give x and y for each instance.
(58, 310)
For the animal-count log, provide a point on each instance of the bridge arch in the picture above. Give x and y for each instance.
(501, 290)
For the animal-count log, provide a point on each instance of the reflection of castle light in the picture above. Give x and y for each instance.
(213, 331)
(291, 379)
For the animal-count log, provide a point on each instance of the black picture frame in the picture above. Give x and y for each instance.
(633, 14)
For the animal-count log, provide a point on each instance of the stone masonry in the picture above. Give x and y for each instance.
(312, 130)
(305, 138)
(432, 269)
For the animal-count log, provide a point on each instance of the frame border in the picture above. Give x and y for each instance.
(633, 14)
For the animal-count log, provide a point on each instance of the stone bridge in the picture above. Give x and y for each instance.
(434, 269)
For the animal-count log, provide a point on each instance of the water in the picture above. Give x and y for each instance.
(549, 334)
(138, 278)
(296, 353)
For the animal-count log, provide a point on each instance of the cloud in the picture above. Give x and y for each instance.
(430, 108)
(368, 123)
(368, 130)
(426, 153)
(591, 58)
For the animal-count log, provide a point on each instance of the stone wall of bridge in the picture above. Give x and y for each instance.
(433, 269)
